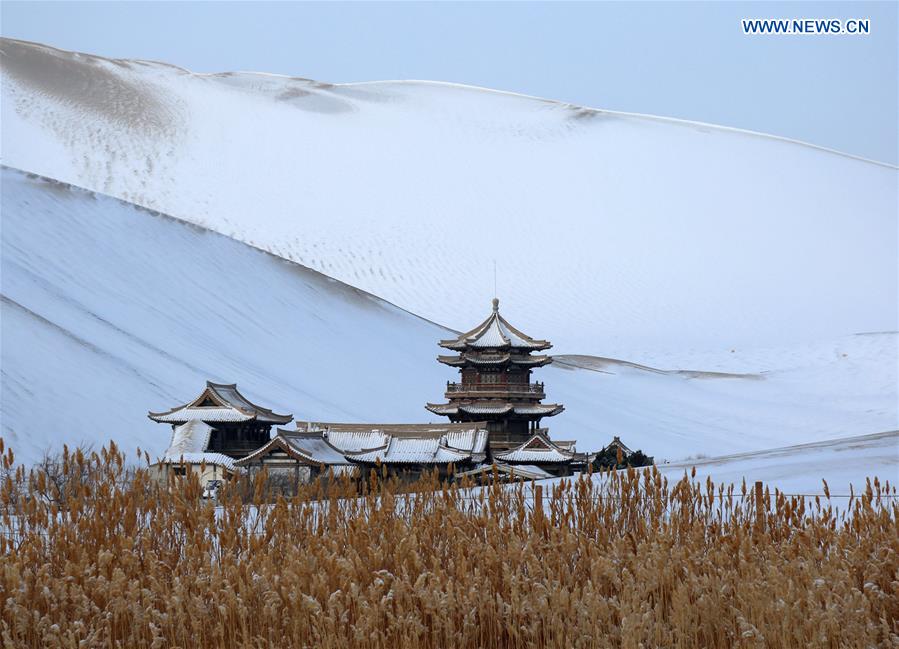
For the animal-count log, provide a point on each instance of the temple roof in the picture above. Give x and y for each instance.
(507, 471)
(617, 443)
(495, 408)
(219, 402)
(403, 443)
(494, 333)
(539, 449)
(310, 448)
(412, 450)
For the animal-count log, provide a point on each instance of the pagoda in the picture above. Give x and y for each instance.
(495, 361)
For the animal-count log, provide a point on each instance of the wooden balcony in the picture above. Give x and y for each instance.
(495, 390)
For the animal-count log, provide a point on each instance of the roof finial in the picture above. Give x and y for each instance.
(494, 278)
(495, 304)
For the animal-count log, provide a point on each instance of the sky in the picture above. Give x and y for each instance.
(688, 60)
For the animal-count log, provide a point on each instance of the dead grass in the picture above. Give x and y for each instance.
(625, 560)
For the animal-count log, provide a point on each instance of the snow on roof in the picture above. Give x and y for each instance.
(495, 332)
(188, 446)
(206, 413)
(442, 408)
(310, 448)
(530, 471)
(539, 409)
(523, 471)
(351, 441)
(399, 443)
(412, 450)
(487, 359)
(495, 359)
(191, 437)
(494, 408)
(316, 448)
(478, 409)
(209, 459)
(360, 436)
(542, 456)
(219, 402)
(538, 449)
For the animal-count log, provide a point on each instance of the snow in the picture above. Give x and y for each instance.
(392, 443)
(523, 471)
(95, 334)
(191, 437)
(410, 450)
(210, 459)
(663, 242)
(206, 413)
(801, 469)
(188, 446)
(533, 455)
(747, 283)
(317, 449)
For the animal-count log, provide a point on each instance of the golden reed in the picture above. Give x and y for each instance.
(99, 555)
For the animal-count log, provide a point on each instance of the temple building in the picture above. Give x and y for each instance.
(495, 361)
(239, 426)
(556, 458)
(299, 458)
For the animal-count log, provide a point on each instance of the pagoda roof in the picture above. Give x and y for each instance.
(539, 449)
(494, 333)
(219, 402)
(494, 359)
(495, 408)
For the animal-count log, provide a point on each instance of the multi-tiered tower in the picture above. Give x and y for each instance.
(495, 362)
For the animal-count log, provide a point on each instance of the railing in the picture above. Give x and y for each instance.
(534, 389)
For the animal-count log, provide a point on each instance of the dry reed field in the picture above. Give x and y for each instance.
(108, 558)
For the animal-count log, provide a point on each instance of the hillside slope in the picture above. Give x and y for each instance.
(109, 310)
(667, 243)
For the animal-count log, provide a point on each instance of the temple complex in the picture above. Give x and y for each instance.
(495, 361)
(494, 431)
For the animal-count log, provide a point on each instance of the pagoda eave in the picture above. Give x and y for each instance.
(470, 359)
(488, 410)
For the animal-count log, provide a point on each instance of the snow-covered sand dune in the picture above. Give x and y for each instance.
(663, 242)
(110, 310)
(800, 469)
